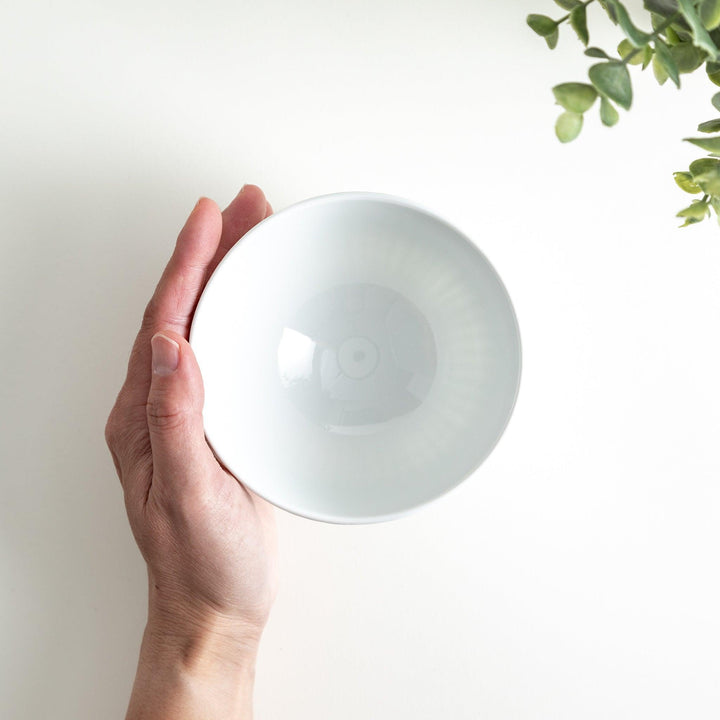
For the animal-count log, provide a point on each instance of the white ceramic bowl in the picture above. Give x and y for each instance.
(360, 355)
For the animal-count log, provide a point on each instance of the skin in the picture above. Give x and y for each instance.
(210, 544)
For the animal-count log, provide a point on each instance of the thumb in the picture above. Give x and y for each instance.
(174, 411)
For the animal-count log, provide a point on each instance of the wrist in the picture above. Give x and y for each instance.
(176, 615)
(194, 665)
(201, 638)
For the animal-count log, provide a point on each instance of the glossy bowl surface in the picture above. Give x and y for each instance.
(360, 356)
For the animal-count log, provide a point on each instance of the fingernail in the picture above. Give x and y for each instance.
(242, 189)
(165, 354)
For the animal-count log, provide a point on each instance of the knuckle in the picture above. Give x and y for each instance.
(112, 430)
(123, 422)
(126, 438)
(113, 442)
(164, 414)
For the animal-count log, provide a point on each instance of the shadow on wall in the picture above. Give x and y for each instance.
(86, 247)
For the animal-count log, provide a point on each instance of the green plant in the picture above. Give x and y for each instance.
(685, 35)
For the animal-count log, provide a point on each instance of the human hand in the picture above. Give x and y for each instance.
(209, 543)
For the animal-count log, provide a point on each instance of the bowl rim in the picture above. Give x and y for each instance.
(362, 195)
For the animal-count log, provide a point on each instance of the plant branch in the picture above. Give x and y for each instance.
(566, 17)
(653, 36)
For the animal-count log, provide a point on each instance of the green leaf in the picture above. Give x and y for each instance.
(625, 49)
(575, 97)
(711, 145)
(672, 37)
(665, 8)
(685, 182)
(687, 57)
(706, 175)
(716, 101)
(648, 53)
(608, 113)
(709, 11)
(713, 72)
(597, 53)
(613, 79)
(578, 20)
(568, 4)
(552, 39)
(696, 212)
(609, 10)
(568, 126)
(689, 221)
(701, 39)
(715, 36)
(703, 166)
(677, 32)
(665, 58)
(710, 126)
(715, 202)
(659, 70)
(637, 37)
(542, 24)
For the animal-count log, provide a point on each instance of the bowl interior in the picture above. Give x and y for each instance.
(360, 357)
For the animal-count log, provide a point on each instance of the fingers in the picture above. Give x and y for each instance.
(201, 244)
(174, 414)
(173, 303)
(245, 211)
(178, 291)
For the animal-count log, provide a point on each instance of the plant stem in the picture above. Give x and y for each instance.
(565, 17)
(653, 36)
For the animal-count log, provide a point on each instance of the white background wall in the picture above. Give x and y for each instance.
(576, 574)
